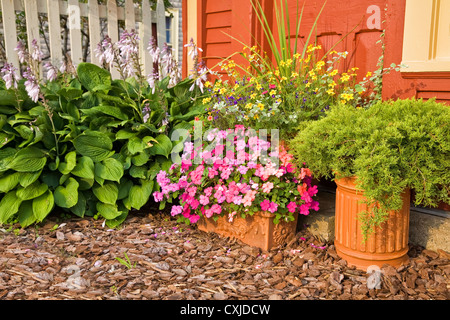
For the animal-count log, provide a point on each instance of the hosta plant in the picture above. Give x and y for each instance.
(83, 142)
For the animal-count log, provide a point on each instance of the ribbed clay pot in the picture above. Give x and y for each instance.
(257, 230)
(387, 245)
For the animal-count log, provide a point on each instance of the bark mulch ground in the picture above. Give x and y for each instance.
(79, 259)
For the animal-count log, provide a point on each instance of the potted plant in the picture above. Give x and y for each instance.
(254, 193)
(376, 156)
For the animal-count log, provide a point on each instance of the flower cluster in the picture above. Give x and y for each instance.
(261, 179)
(299, 88)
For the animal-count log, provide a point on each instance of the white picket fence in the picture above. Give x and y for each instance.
(134, 18)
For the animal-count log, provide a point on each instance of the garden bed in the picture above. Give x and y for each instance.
(76, 259)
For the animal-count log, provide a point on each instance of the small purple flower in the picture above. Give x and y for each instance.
(21, 52)
(52, 72)
(10, 75)
(36, 53)
(31, 85)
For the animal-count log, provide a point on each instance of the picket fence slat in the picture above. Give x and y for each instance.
(76, 52)
(94, 29)
(9, 30)
(130, 20)
(74, 11)
(54, 31)
(145, 34)
(32, 21)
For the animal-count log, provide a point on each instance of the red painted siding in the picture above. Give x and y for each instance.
(350, 19)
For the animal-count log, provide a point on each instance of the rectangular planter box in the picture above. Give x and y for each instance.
(257, 230)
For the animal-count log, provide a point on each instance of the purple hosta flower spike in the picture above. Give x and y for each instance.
(146, 111)
(105, 51)
(52, 71)
(151, 79)
(128, 44)
(31, 85)
(154, 50)
(22, 52)
(10, 75)
(36, 53)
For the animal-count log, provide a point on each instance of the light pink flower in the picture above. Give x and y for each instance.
(267, 187)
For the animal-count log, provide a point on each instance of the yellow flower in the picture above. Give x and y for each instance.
(248, 106)
(253, 96)
(282, 63)
(320, 64)
(207, 84)
(308, 84)
(283, 78)
(331, 92)
(256, 116)
(294, 75)
(277, 73)
(260, 106)
(222, 91)
(347, 96)
(369, 74)
(333, 73)
(272, 92)
(206, 100)
(345, 77)
(289, 62)
(332, 84)
(297, 55)
(258, 87)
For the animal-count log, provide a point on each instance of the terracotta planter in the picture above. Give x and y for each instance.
(257, 230)
(387, 245)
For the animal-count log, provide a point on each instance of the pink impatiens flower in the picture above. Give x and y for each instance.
(266, 187)
(273, 207)
(265, 205)
(292, 206)
(176, 210)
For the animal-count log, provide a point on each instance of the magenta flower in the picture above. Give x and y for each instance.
(292, 206)
(217, 209)
(273, 207)
(265, 205)
(194, 218)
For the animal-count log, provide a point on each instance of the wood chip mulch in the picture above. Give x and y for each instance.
(79, 259)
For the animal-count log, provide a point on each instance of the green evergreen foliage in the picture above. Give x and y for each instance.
(388, 147)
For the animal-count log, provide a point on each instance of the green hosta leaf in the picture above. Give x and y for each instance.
(67, 196)
(9, 206)
(135, 145)
(6, 156)
(108, 211)
(50, 178)
(139, 195)
(124, 189)
(84, 168)
(80, 208)
(140, 159)
(112, 223)
(71, 161)
(27, 178)
(70, 93)
(43, 205)
(125, 134)
(29, 159)
(9, 182)
(163, 146)
(32, 191)
(26, 216)
(113, 111)
(95, 145)
(85, 184)
(139, 172)
(108, 193)
(154, 169)
(93, 77)
(109, 169)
